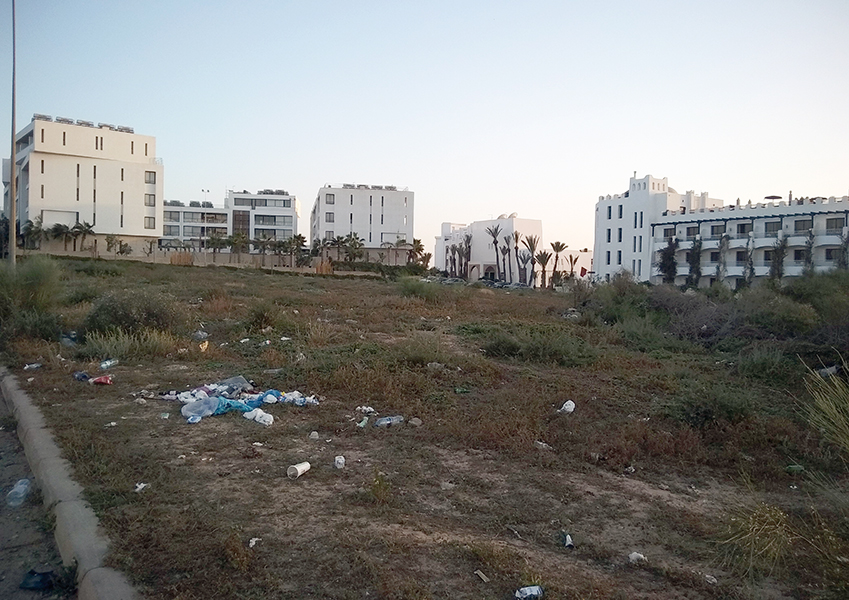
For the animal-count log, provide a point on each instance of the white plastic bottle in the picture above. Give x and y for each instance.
(18, 494)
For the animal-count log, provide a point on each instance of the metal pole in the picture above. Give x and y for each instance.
(13, 208)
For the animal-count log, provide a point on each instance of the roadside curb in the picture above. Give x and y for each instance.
(78, 534)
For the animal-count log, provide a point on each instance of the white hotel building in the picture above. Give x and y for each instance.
(379, 214)
(75, 171)
(630, 229)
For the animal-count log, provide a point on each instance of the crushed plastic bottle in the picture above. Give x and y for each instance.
(108, 364)
(81, 376)
(18, 494)
(389, 421)
(32, 366)
(531, 592)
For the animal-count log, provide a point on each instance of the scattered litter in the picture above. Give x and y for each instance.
(222, 344)
(140, 487)
(285, 339)
(108, 364)
(566, 540)
(533, 592)
(18, 494)
(794, 468)
(257, 444)
(629, 470)
(829, 371)
(266, 343)
(260, 416)
(711, 579)
(272, 371)
(193, 419)
(389, 421)
(297, 470)
(30, 379)
(164, 415)
(68, 341)
(267, 329)
(793, 486)
(435, 366)
(542, 445)
(366, 410)
(295, 311)
(244, 340)
(112, 424)
(32, 366)
(314, 435)
(181, 457)
(102, 380)
(636, 557)
(567, 407)
(446, 485)
(572, 314)
(182, 350)
(461, 390)
(203, 346)
(199, 335)
(416, 422)
(253, 542)
(301, 357)
(38, 580)
(483, 577)
(339, 462)
(363, 423)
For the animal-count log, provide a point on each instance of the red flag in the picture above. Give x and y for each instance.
(583, 271)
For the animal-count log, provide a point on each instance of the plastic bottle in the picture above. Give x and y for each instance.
(106, 364)
(389, 421)
(18, 494)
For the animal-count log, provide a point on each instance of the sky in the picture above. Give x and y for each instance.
(479, 107)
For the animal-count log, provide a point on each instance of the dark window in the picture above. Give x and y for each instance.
(744, 228)
(330, 198)
(620, 211)
(63, 138)
(329, 218)
(830, 224)
(150, 222)
(609, 211)
(618, 257)
(42, 165)
(608, 257)
(741, 257)
(619, 235)
(693, 231)
(150, 176)
(122, 174)
(669, 232)
(714, 257)
(772, 228)
(803, 225)
(150, 199)
(767, 256)
(831, 254)
(717, 229)
(608, 235)
(798, 255)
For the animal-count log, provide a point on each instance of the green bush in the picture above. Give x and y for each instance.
(80, 294)
(98, 268)
(43, 325)
(133, 311)
(767, 363)
(701, 405)
(27, 295)
(618, 300)
(778, 315)
(37, 281)
(432, 293)
(540, 344)
(122, 344)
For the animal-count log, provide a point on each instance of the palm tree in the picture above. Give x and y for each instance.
(543, 256)
(505, 254)
(573, 260)
(531, 242)
(424, 260)
(399, 244)
(467, 251)
(237, 243)
(279, 248)
(353, 247)
(558, 247)
(32, 233)
(60, 230)
(338, 242)
(297, 243)
(216, 241)
(516, 238)
(495, 231)
(508, 266)
(415, 252)
(524, 258)
(83, 230)
(453, 260)
(262, 243)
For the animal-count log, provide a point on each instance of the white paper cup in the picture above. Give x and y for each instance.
(297, 470)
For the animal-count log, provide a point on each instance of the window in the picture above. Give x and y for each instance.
(268, 233)
(831, 225)
(122, 174)
(101, 142)
(145, 149)
(173, 230)
(641, 243)
(131, 147)
(330, 198)
(191, 231)
(150, 176)
(192, 217)
(619, 235)
(799, 255)
(42, 190)
(381, 219)
(94, 172)
(150, 199)
(150, 222)
(803, 225)
(609, 211)
(381, 202)
(352, 199)
(608, 257)
(717, 229)
(618, 257)
(692, 231)
(63, 138)
(328, 235)
(351, 218)
(635, 220)
(831, 254)
(714, 257)
(78, 169)
(620, 211)
(744, 228)
(42, 165)
(171, 216)
(771, 228)
(688, 255)
(767, 256)
(641, 218)
(122, 200)
(329, 218)
(635, 244)
(668, 232)
(741, 257)
(608, 235)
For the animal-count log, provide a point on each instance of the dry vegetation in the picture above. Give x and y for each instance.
(687, 419)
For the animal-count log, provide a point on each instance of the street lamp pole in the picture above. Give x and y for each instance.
(13, 208)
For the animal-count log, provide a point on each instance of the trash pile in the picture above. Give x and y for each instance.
(234, 394)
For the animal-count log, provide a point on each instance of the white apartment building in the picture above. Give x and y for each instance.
(379, 214)
(631, 228)
(75, 171)
(272, 214)
(482, 261)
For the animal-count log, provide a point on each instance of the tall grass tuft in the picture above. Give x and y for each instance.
(829, 411)
(131, 311)
(27, 296)
(133, 344)
(758, 539)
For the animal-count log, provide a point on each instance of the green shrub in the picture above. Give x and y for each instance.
(618, 300)
(541, 344)
(775, 314)
(37, 281)
(700, 405)
(432, 293)
(769, 364)
(122, 344)
(43, 325)
(80, 294)
(98, 268)
(133, 310)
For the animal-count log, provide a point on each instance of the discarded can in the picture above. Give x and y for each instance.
(102, 380)
(32, 366)
(297, 470)
(389, 421)
(108, 364)
(81, 376)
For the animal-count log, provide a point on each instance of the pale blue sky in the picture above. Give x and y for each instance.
(481, 108)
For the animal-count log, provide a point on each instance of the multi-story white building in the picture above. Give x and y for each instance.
(482, 260)
(379, 214)
(271, 214)
(73, 171)
(737, 241)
